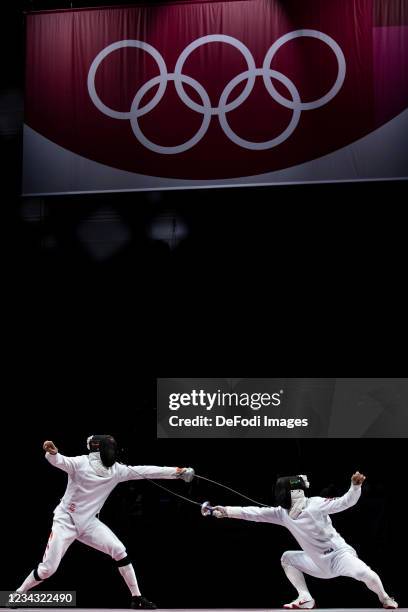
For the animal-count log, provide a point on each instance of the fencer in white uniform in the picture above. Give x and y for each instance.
(91, 478)
(324, 554)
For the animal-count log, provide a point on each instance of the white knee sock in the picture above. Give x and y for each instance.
(373, 582)
(129, 577)
(28, 583)
(296, 577)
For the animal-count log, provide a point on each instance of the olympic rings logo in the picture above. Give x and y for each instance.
(293, 102)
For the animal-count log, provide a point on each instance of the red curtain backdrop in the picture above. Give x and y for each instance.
(147, 121)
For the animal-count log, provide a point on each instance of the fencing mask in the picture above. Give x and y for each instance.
(286, 484)
(106, 446)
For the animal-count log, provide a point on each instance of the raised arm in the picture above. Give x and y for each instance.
(250, 513)
(338, 504)
(139, 472)
(67, 464)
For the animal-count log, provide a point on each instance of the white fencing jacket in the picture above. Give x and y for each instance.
(87, 491)
(313, 528)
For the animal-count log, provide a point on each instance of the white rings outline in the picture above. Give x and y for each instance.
(134, 112)
(138, 44)
(266, 72)
(341, 68)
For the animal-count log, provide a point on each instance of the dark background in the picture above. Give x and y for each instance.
(182, 559)
(198, 249)
(116, 285)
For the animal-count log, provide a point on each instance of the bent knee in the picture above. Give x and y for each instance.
(45, 571)
(287, 558)
(118, 553)
(365, 574)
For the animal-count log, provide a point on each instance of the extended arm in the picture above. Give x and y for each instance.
(139, 472)
(250, 513)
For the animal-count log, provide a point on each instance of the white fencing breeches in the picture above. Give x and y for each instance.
(343, 563)
(63, 533)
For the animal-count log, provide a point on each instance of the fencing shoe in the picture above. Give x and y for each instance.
(141, 603)
(301, 604)
(389, 603)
